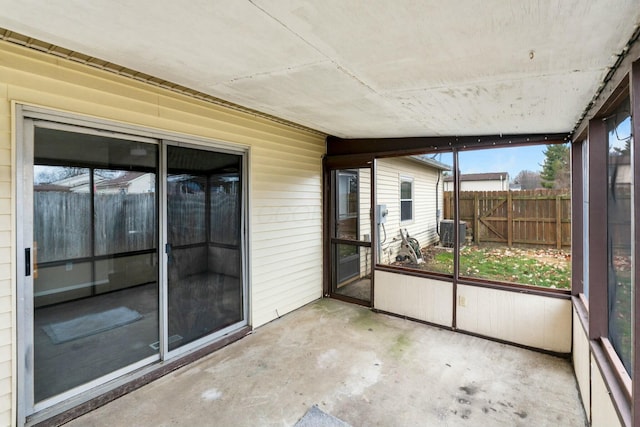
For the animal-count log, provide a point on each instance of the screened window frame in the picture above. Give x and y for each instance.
(591, 302)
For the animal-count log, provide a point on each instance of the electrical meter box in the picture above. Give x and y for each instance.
(381, 213)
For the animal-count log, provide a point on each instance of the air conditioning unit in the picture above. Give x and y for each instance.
(446, 232)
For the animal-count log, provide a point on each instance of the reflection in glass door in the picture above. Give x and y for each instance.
(351, 237)
(204, 211)
(95, 258)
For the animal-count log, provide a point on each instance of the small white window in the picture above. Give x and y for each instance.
(406, 199)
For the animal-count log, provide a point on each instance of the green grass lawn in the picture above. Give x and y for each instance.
(548, 268)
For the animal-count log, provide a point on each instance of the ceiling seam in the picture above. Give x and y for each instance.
(70, 55)
(340, 68)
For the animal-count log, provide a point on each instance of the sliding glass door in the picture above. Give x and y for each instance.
(95, 257)
(131, 252)
(203, 243)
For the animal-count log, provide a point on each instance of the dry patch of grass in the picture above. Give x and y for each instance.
(550, 268)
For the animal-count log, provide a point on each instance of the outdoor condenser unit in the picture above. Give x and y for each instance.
(446, 232)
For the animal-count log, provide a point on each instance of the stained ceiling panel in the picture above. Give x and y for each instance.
(359, 69)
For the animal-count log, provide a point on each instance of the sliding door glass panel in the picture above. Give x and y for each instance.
(95, 234)
(205, 288)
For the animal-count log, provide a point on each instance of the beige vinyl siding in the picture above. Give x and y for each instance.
(6, 289)
(285, 207)
(389, 172)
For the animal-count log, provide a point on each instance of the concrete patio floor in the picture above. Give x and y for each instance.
(364, 368)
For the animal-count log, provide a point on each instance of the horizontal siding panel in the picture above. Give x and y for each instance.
(287, 195)
(283, 275)
(5, 270)
(86, 107)
(38, 63)
(309, 239)
(269, 203)
(292, 146)
(274, 311)
(5, 207)
(288, 173)
(5, 239)
(5, 222)
(5, 307)
(291, 281)
(295, 260)
(5, 288)
(284, 159)
(285, 188)
(5, 418)
(5, 385)
(282, 254)
(286, 262)
(303, 235)
(281, 161)
(5, 173)
(299, 212)
(5, 402)
(284, 222)
(5, 159)
(5, 348)
(5, 334)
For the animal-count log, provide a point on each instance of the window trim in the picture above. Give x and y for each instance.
(407, 179)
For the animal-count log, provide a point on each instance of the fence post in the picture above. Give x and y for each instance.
(476, 220)
(509, 220)
(558, 222)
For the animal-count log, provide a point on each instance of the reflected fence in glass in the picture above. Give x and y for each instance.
(95, 234)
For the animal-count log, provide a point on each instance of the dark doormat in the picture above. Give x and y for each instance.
(315, 417)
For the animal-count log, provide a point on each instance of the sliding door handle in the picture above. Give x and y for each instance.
(27, 262)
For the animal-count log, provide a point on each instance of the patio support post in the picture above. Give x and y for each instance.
(456, 238)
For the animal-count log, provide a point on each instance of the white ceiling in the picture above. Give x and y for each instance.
(359, 68)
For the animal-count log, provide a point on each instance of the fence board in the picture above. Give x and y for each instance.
(531, 217)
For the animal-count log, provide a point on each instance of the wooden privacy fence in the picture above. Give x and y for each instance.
(530, 217)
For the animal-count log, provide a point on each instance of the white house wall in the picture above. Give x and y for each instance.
(423, 226)
(285, 258)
